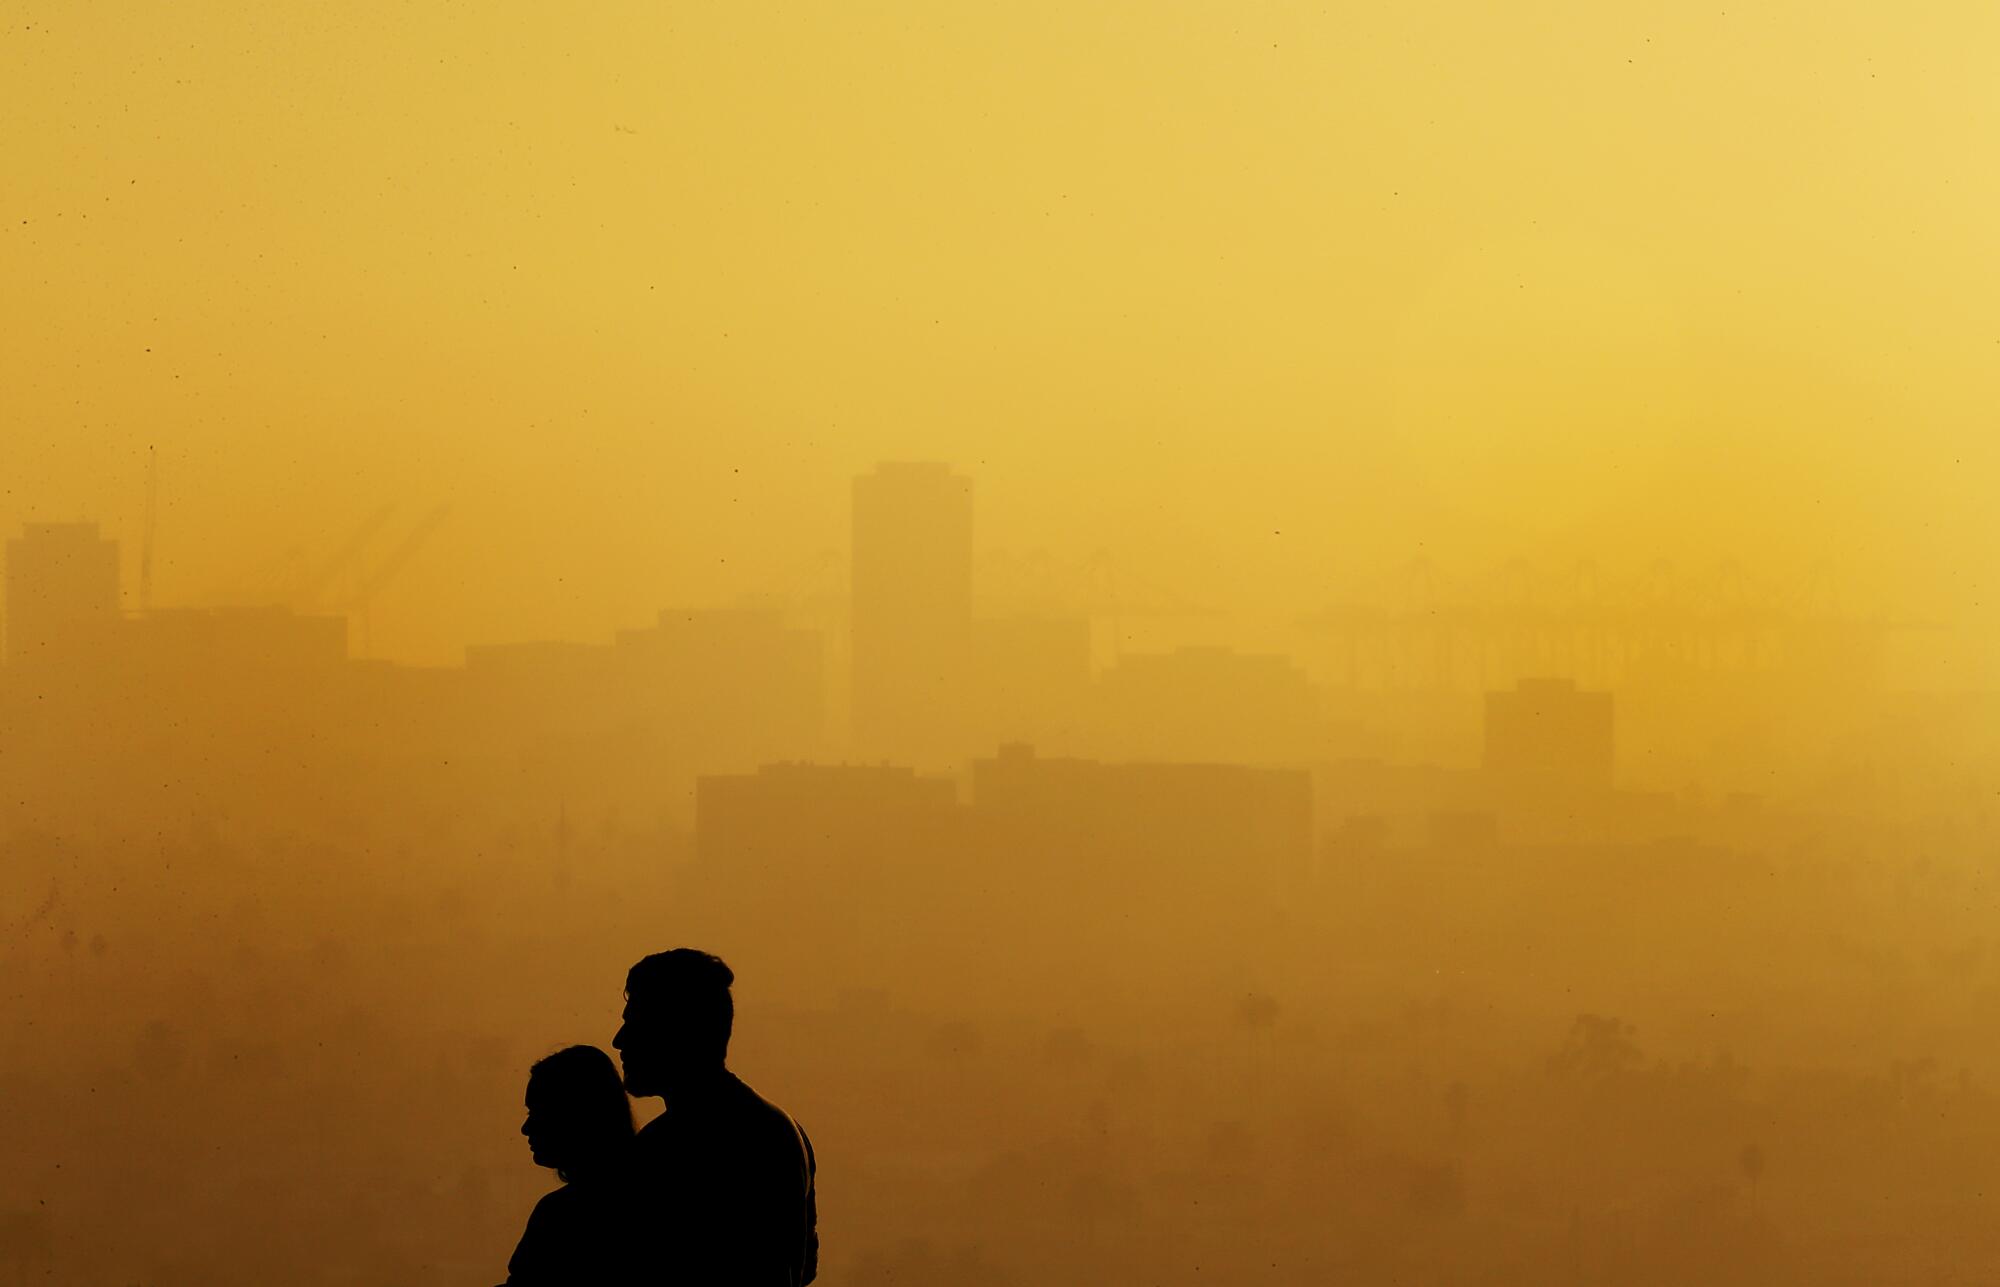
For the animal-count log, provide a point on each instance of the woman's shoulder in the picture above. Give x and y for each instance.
(579, 1200)
(572, 1229)
(554, 1205)
(541, 1249)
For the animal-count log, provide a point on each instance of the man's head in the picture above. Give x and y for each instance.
(678, 1014)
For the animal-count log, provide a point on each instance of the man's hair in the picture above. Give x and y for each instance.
(694, 986)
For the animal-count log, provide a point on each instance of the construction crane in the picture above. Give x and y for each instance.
(1425, 630)
(312, 586)
(386, 571)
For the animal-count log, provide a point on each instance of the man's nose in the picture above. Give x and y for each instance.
(524, 1127)
(618, 1038)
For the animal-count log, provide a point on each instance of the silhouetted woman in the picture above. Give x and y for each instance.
(579, 1125)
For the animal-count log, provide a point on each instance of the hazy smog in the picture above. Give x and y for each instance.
(1282, 643)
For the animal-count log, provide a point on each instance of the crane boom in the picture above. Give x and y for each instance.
(399, 558)
(315, 584)
(386, 570)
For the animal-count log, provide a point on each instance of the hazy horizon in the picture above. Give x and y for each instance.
(1265, 302)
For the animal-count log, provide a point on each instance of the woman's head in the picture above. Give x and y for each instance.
(578, 1116)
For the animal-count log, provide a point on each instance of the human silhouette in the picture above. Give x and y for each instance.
(723, 1179)
(579, 1125)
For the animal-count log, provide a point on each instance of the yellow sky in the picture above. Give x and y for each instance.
(1263, 296)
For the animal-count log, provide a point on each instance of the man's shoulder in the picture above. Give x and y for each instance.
(765, 1119)
(737, 1110)
(754, 1104)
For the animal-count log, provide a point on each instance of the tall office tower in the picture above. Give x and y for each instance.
(62, 593)
(912, 613)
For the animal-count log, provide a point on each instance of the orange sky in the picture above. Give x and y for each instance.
(1265, 298)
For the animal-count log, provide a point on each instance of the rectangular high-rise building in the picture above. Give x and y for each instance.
(912, 613)
(62, 593)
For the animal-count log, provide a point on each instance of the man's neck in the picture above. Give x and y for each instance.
(697, 1086)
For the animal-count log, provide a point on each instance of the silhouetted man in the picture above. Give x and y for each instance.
(724, 1177)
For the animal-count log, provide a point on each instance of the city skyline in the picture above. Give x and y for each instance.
(1277, 643)
(338, 576)
(917, 674)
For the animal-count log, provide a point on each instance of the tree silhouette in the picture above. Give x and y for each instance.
(1597, 1048)
(160, 1051)
(1257, 1015)
(1751, 1163)
(1257, 1012)
(1456, 1100)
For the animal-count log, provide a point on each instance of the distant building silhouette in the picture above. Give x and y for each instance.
(1463, 831)
(798, 823)
(1031, 681)
(739, 679)
(1056, 870)
(62, 592)
(1034, 817)
(235, 642)
(1210, 705)
(698, 691)
(1548, 731)
(912, 612)
(838, 860)
(1135, 825)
